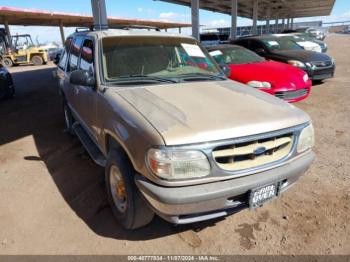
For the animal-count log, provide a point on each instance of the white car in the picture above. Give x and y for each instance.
(307, 45)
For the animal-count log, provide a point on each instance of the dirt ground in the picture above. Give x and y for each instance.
(52, 198)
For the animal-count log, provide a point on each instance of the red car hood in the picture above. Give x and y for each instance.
(280, 75)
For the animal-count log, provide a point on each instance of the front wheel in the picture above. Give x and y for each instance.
(128, 206)
(7, 62)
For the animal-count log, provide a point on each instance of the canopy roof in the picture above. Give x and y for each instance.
(31, 17)
(279, 8)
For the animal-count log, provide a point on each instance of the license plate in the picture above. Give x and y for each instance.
(262, 195)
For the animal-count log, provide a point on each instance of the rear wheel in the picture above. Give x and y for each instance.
(37, 60)
(127, 204)
(7, 62)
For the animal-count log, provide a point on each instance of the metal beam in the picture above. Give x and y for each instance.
(234, 10)
(255, 16)
(195, 18)
(8, 32)
(99, 13)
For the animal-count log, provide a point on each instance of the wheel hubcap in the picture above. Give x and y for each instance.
(118, 189)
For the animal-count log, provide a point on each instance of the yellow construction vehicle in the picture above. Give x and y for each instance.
(22, 51)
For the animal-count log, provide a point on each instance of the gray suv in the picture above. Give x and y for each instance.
(176, 137)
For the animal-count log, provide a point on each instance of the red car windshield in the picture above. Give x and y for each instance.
(236, 56)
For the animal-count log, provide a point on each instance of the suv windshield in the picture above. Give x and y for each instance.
(235, 55)
(155, 59)
(281, 44)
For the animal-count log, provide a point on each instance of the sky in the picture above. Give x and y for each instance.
(143, 9)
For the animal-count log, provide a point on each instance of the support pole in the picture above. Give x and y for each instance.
(195, 18)
(99, 12)
(234, 11)
(292, 23)
(63, 38)
(255, 16)
(276, 25)
(180, 30)
(288, 23)
(267, 29)
(283, 24)
(8, 32)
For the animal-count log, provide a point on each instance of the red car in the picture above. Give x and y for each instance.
(281, 80)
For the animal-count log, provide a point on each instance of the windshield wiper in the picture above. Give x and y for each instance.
(201, 76)
(142, 78)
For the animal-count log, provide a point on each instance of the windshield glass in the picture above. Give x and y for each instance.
(281, 44)
(156, 57)
(235, 55)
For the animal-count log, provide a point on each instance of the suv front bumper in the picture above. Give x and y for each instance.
(188, 204)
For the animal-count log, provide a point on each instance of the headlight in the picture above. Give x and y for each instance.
(176, 164)
(296, 63)
(306, 78)
(306, 139)
(258, 84)
(333, 61)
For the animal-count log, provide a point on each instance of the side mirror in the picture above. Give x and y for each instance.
(260, 51)
(82, 78)
(226, 70)
(57, 59)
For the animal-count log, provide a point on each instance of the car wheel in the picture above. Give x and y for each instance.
(68, 118)
(7, 62)
(37, 60)
(127, 204)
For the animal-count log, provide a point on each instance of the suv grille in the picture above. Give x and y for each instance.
(321, 64)
(287, 95)
(253, 154)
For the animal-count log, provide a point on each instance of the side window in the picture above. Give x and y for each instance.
(74, 55)
(65, 52)
(255, 45)
(87, 56)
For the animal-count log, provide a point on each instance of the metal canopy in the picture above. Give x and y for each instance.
(278, 8)
(30, 17)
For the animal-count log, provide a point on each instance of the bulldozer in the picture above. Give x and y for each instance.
(20, 50)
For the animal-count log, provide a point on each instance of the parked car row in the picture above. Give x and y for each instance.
(175, 136)
(7, 87)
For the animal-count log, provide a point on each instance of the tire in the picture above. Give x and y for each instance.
(37, 60)
(7, 62)
(132, 211)
(68, 118)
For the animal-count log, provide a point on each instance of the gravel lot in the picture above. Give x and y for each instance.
(52, 198)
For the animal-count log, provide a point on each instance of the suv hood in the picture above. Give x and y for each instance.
(196, 112)
(302, 55)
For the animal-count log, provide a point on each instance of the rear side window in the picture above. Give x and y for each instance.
(87, 57)
(74, 54)
(65, 52)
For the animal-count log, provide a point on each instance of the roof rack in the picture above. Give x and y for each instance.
(84, 29)
(128, 27)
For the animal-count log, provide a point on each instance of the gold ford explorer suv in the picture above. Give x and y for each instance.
(176, 137)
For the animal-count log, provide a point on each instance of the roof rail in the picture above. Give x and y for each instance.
(84, 29)
(128, 27)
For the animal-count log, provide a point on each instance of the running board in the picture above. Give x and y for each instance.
(89, 145)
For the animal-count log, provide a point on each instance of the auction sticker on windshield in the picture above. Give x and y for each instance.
(273, 43)
(216, 53)
(193, 50)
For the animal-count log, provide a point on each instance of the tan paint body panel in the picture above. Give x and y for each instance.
(198, 112)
